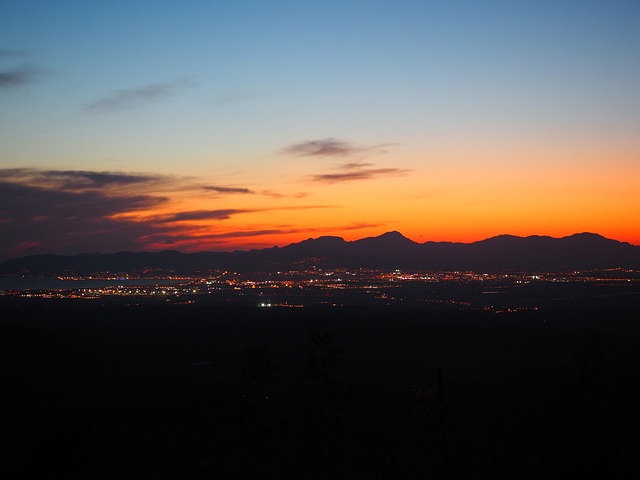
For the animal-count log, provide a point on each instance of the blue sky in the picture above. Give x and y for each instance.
(218, 90)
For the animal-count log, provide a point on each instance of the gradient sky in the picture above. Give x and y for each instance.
(216, 125)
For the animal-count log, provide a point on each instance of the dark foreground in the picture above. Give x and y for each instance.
(211, 392)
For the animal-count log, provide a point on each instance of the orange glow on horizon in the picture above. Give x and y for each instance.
(431, 203)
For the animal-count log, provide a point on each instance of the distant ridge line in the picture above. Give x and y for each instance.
(391, 250)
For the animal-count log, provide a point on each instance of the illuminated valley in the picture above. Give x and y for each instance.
(460, 290)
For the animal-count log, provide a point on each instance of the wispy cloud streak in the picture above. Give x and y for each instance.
(222, 214)
(229, 190)
(77, 180)
(356, 170)
(226, 213)
(332, 147)
(17, 76)
(363, 174)
(321, 148)
(137, 97)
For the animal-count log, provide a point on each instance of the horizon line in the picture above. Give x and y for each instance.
(317, 238)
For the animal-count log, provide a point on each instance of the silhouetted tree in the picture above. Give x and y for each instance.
(589, 358)
(325, 405)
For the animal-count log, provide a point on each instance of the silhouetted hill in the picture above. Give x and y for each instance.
(390, 251)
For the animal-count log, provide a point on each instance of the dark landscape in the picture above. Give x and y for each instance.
(411, 379)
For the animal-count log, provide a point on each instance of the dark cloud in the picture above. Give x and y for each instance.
(69, 222)
(331, 147)
(282, 230)
(67, 211)
(222, 214)
(361, 174)
(137, 97)
(225, 214)
(82, 180)
(250, 233)
(269, 193)
(101, 179)
(360, 226)
(75, 211)
(76, 180)
(221, 189)
(17, 76)
(351, 166)
(323, 148)
(18, 202)
(223, 235)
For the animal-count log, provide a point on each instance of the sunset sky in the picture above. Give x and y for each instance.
(222, 125)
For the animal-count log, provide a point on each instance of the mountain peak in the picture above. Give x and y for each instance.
(389, 243)
(393, 234)
(586, 235)
(324, 242)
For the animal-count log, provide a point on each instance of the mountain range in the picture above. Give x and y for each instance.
(390, 250)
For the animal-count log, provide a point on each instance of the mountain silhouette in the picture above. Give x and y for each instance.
(390, 250)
